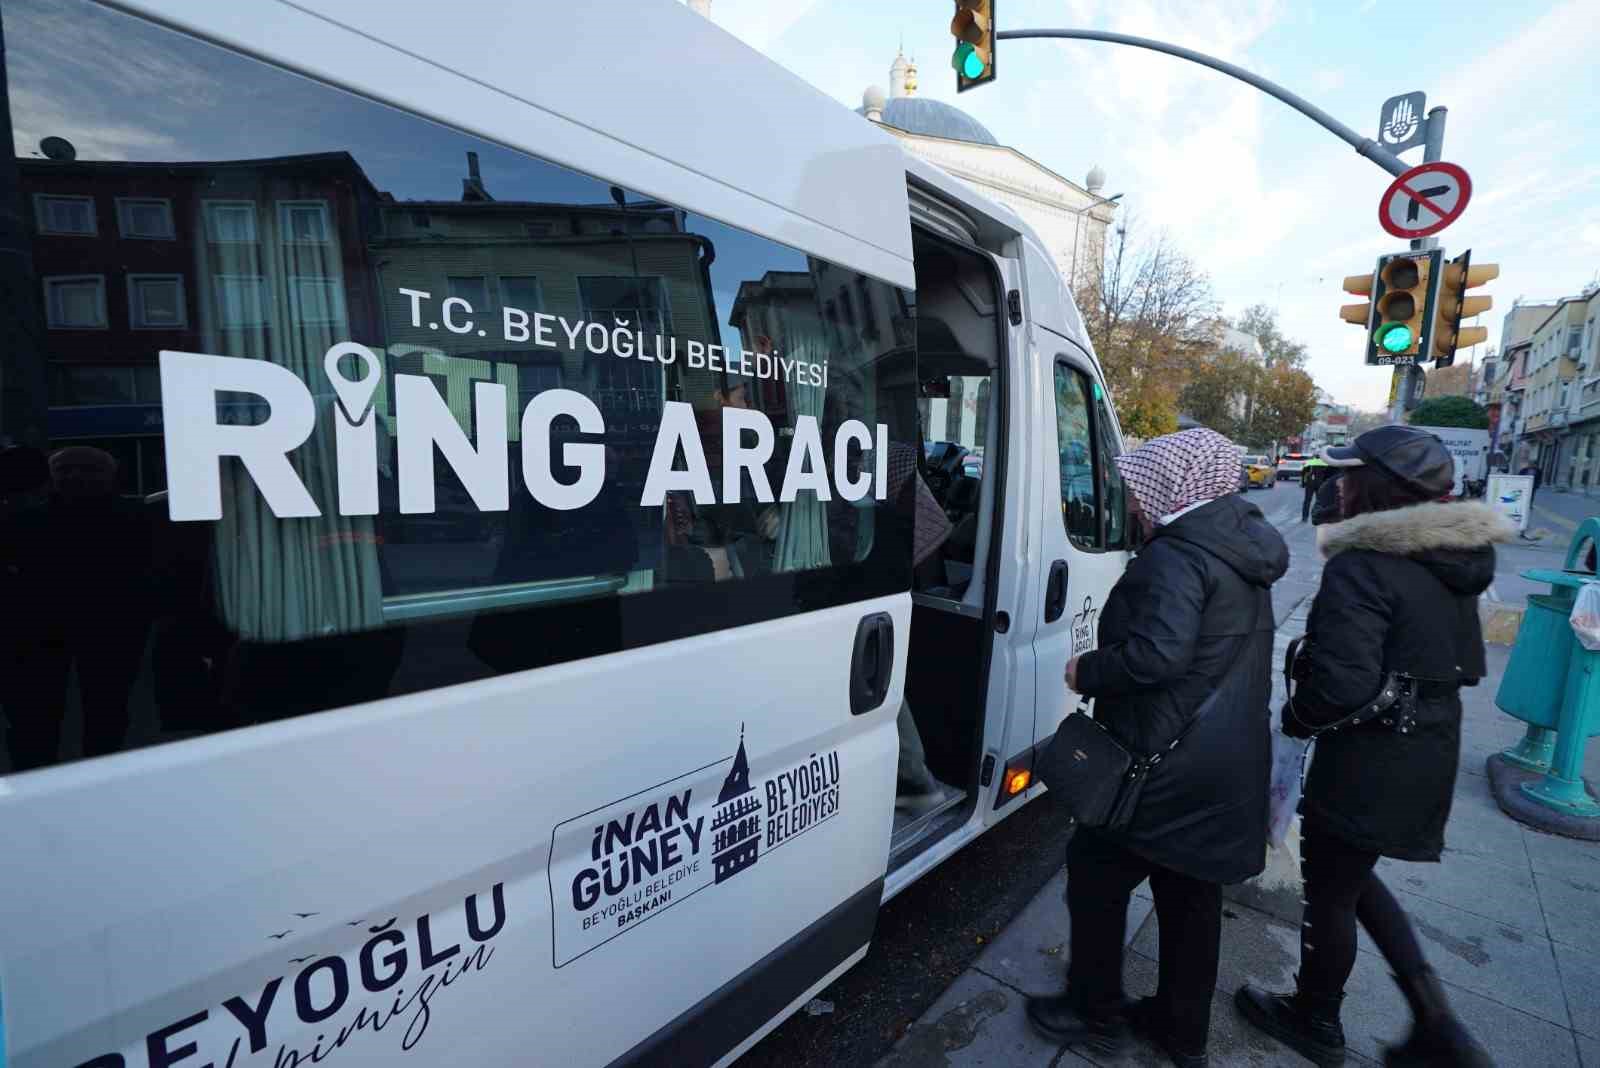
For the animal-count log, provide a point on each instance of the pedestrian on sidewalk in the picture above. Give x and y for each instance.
(1190, 618)
(1397, 607)
(1315, 472)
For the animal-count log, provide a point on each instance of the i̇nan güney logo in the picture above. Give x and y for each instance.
(615, 867)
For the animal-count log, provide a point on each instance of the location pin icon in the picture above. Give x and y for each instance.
(355, 396)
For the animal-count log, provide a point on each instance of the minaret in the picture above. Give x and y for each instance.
(911, 77)
(897, 76)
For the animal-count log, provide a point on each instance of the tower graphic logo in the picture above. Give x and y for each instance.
(736, 823)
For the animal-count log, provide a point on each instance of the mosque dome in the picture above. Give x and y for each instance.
(934, 118)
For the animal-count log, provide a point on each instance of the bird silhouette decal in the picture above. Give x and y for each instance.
(307, 915)
(300, 960)
(281, 935)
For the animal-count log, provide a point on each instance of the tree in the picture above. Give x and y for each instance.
(1361, 422)
(1217, 389)
(1285, 404)
(1450, 411)
(1150, 314)
(1261, 323)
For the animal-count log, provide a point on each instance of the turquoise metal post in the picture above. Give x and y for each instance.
(1562, 787)
(1555, 674)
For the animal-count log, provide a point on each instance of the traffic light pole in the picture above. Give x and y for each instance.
(1407, 390)
(1364, 146)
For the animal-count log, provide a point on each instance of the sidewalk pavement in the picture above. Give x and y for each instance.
(1510, 920)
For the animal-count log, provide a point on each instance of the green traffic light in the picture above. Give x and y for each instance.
(967, 61)
(1395, 338)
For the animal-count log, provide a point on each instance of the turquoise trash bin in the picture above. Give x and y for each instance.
(1534, 685)
(1552, 683)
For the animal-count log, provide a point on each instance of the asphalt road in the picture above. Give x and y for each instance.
(928, 935)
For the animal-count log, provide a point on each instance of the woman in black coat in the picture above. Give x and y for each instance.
(1399, 596)
(1190, 620)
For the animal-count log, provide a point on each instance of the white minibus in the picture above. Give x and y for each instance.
(522, 525)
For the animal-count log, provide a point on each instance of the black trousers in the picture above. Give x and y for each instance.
(1310, 496)
(1342, 888)
(1101, 877)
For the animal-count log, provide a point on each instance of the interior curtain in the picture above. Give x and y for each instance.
(286, 579)
(803, 527)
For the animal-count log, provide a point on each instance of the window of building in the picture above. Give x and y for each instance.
(78, 385)
(474, 290)
(155, 302)
(521, 292)
(145, 218)
(242, 299)
(641, 300)
(65, 215)
(316, 300)
(230, 221)
(75, 302)
(304, 222)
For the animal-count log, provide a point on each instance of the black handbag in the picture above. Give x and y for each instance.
(1095, 776)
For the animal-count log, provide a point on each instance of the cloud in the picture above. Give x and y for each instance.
(760, 23)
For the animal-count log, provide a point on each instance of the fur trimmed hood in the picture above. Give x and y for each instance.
(1418, 528)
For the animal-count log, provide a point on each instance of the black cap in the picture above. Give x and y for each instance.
(1407, 454)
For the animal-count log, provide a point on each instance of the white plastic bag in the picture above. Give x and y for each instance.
(1283, 795)
(1585, 617)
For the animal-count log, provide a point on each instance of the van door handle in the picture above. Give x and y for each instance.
(871, 662)
(1055, 592)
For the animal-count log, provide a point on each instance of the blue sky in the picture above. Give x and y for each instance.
(1277, 210)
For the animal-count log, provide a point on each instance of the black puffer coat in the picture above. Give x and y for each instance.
(1192, 612)
(1399, 593)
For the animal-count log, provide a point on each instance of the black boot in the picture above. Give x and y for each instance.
(1146, 1020)
(1306, 1023)
(1059, 1018)
(1437, 1036)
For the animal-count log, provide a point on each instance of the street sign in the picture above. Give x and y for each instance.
(1425, 200)
(1511, 496)
(1400, 122)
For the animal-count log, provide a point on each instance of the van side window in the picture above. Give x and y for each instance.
(504, 414)
(1075, 443)
(1113, 492)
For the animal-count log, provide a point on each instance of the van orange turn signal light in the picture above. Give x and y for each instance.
(1018, 780)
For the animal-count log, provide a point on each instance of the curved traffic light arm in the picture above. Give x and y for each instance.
(1364, 146)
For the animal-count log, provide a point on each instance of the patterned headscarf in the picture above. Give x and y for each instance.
(1174, 471)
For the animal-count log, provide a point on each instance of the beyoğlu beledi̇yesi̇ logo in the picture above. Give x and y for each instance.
(615, 867)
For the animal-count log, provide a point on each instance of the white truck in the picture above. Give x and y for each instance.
(1470, 448)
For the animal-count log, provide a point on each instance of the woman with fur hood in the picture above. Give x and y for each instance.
(1399, 596)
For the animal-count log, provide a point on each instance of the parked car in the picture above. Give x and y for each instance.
(1262, 473)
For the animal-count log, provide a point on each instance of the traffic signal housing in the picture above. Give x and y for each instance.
(1458, 276)
(973, 29)
(1399, 316)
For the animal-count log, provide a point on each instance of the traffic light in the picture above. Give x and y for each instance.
(1359, 285)
(973, 29)
(1454, 305)
(1399, 315)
